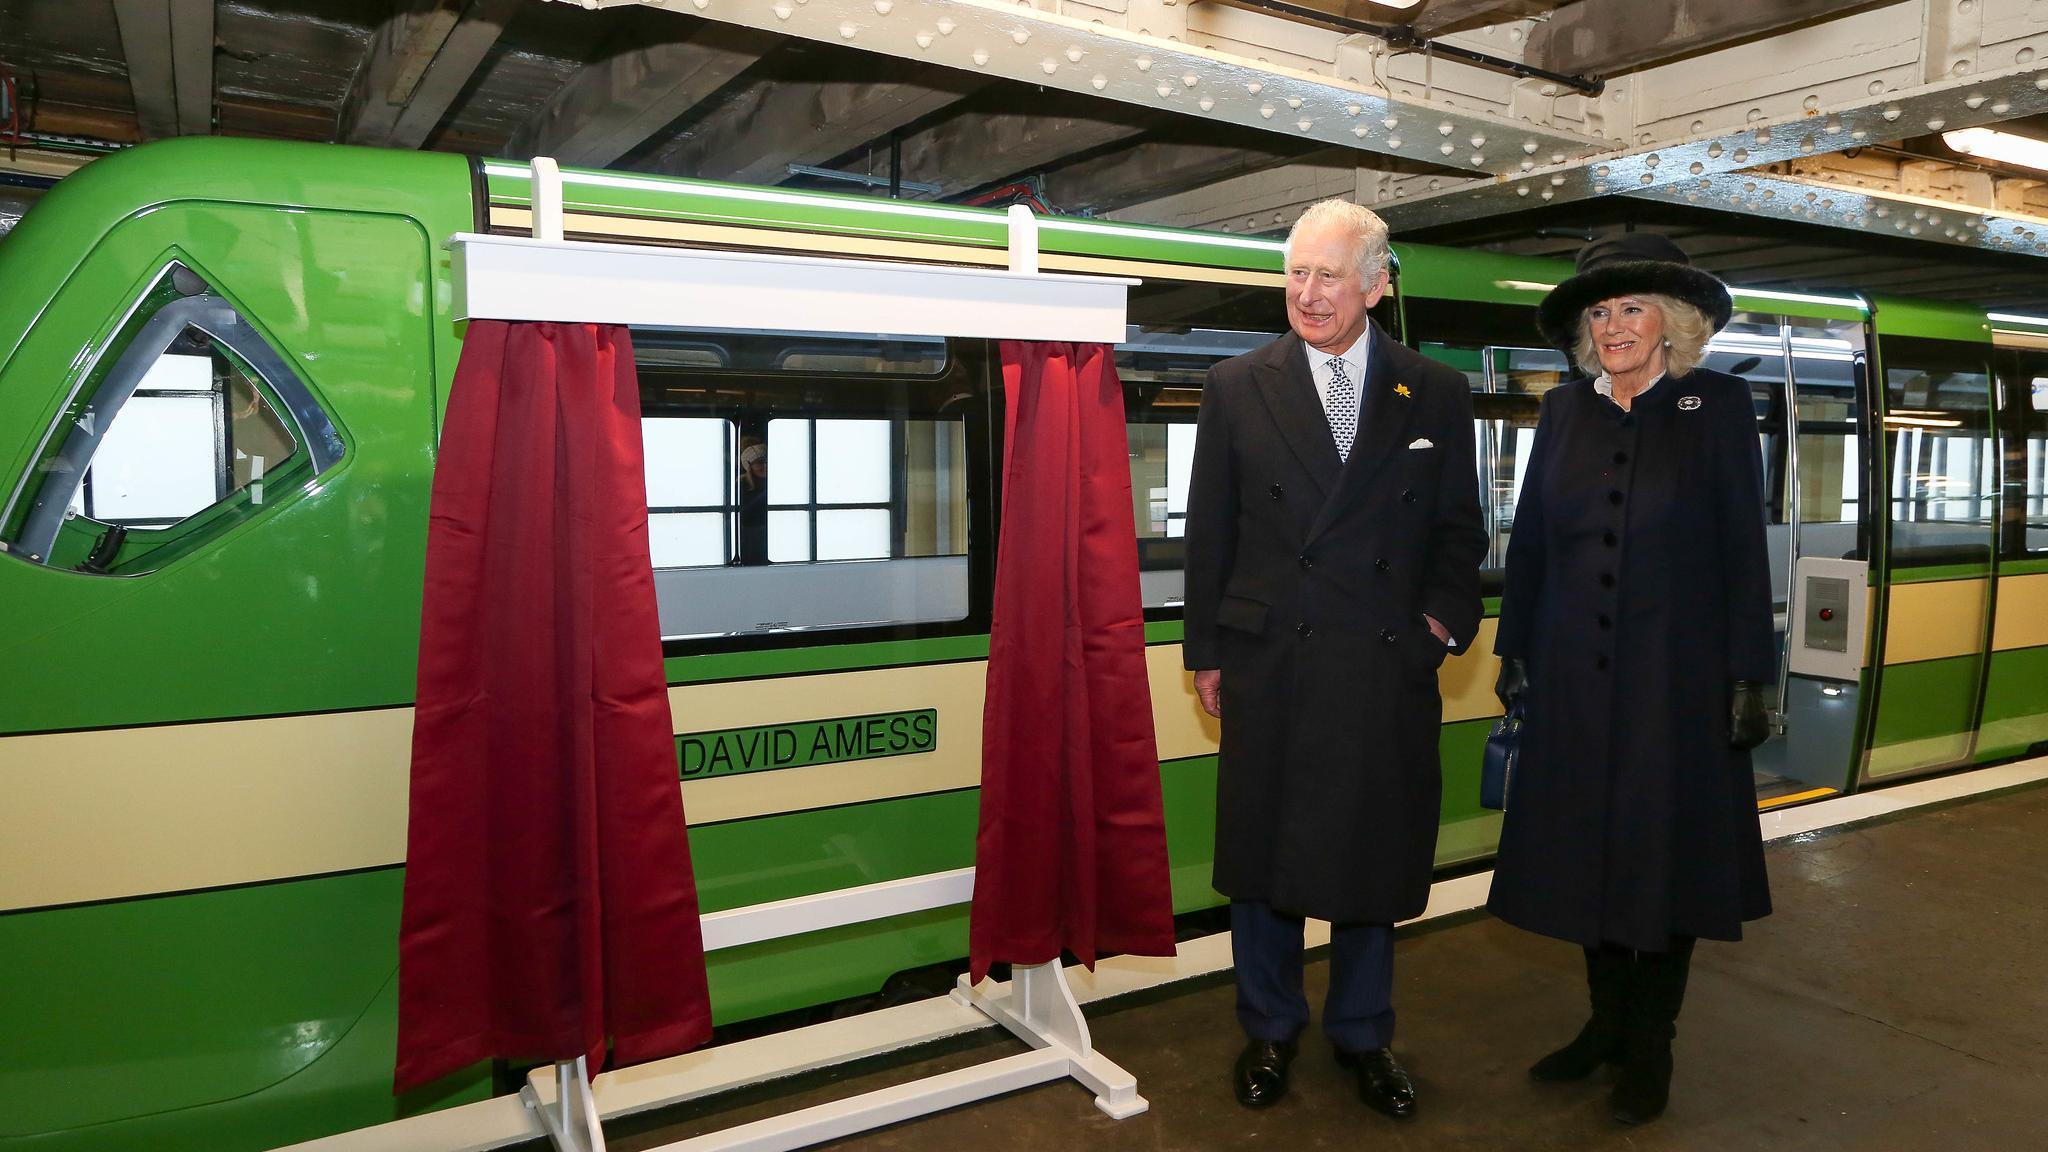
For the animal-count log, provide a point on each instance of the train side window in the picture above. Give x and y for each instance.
(691, 477)
(1495, 346)
(2022, 371)
(1943, 470)
(802, 482)
(1178, 332)
(187, 423)
(2033, 460)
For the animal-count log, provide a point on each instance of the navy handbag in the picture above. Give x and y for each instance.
(1503, 748)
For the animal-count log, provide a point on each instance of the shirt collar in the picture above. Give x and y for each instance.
(1604, 384)
(1354, 357)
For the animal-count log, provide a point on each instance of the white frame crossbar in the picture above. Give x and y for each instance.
(549, 278)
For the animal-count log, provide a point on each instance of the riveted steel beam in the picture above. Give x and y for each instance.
(1309, 84)
(1874, 76)
(1841, 200)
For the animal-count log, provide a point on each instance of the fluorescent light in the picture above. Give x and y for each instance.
(1524, 285)
(1800, 298)
(1922, 422)
(2015, 318)
(2003, 147)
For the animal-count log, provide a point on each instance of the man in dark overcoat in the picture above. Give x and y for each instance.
(1333, 549)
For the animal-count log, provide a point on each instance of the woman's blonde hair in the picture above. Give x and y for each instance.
(1686, 333)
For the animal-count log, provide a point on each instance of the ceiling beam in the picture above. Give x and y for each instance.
(418, 61)
(656, 72)
(1784, 192)
(1440, 16)
(1606, 37)
(1207, 61)
(1149, 171)
(169, 48)
(1264, 196)
(979, 147)
(754, 137)
(1876, 75)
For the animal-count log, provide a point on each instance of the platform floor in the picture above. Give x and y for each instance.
(1895, 1001)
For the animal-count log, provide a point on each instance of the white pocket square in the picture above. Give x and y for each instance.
(1422, 443)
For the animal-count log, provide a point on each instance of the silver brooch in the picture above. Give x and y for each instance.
(1688, 403)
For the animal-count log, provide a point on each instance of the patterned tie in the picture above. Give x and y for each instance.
(1341, 407)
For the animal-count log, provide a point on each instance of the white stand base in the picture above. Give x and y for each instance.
(1038, 1007)
(571, 1120)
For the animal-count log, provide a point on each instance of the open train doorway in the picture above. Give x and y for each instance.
(1807, 377)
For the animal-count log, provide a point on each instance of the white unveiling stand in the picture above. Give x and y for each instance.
(548, 278)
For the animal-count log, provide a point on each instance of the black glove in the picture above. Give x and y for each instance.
(1513, 680)
(1749, 719)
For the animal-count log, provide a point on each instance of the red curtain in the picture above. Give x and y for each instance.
(549, 903)
(1071, 852)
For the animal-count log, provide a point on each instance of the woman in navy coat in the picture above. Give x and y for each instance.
(1636, 628)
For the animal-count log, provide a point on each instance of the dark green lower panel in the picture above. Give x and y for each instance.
(240, 1018)
(1926, 715)
(2015, 703)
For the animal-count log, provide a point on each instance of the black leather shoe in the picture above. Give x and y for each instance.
(1260, 1076)
(1382, 1083)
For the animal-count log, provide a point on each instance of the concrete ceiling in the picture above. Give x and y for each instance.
(1801, 135)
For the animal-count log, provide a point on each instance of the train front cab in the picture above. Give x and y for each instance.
(218, 387)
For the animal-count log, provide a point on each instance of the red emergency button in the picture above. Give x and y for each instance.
(1827, 613)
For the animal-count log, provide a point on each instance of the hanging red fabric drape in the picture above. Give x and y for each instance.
(1071, 852)
(549, 903)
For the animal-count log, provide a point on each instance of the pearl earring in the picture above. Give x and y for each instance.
(1667, 343)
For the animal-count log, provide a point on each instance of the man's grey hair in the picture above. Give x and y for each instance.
(1369, 250)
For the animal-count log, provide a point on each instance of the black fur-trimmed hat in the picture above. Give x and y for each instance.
(1626, 264)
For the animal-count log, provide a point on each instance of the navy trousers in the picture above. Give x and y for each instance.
(1358, 1012)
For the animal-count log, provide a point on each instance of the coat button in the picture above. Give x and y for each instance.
(1615, 497)
(1609, 538)
(1606, 622)
(1304, 630)
(1276, 492)
(1407, 495)
(1621, 457)
(1387, 636)
(1600, 663)
(1607, 579)
(1380, 562)
(1628, 420)
(1306, 562)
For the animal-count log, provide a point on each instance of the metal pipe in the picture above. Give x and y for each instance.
(1403, 37)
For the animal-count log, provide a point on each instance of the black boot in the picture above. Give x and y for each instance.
(1599, 1042)
(1656, 990)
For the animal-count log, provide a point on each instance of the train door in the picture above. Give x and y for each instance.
(1804, 376)
(1811, 429)
(1939, 469)
(2015, 714)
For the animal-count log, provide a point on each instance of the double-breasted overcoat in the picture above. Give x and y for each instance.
(1638, 591)
(1307, 581)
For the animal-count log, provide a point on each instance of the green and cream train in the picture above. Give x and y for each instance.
(221, 367)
